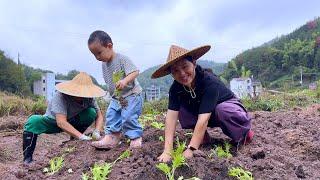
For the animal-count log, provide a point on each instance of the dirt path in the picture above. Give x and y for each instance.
(286, 146)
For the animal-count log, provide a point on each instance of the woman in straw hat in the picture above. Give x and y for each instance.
(199, 100)
(72, 110)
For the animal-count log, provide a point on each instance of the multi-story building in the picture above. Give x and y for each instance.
(153, 93)
(46, 85)
(244, 87)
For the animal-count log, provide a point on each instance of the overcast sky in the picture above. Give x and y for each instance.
(52, 34)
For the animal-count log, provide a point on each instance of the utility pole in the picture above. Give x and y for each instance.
(18, 59)
(301, 75)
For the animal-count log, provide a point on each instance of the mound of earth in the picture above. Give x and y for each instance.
(286, 146)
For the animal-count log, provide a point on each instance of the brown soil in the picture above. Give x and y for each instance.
(286, 146)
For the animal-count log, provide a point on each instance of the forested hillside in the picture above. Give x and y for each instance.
(18, 78)
(282, 59)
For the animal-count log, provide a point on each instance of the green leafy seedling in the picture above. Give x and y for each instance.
(101, 172)
(178, 160)
(117, 76)
(161, 138)
(189, 134)
(85, 176)
(124, 155)
(56, 164)
(157, 125)
(146, 118)
(222, 152)
(240, 173)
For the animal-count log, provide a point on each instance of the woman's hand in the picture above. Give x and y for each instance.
(188, 153)
(164, 157)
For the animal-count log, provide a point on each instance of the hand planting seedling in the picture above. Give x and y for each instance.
(56, 164)
(157, 125)
(221, 152)
(240, 173)
(101, 172)
(178, 160)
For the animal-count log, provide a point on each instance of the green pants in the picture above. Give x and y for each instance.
(39, 124)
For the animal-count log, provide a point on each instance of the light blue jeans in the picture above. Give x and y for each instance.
(125, 119)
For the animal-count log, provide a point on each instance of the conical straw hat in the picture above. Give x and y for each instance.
(177, 53)
(80, 86)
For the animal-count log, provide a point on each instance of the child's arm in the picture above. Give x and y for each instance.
(125, 81)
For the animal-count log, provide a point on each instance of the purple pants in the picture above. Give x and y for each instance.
(229, 115)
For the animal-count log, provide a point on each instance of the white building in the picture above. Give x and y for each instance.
(152, 93)
(46, 85)
(244, 87)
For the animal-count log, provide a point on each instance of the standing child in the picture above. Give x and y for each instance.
(125, 106)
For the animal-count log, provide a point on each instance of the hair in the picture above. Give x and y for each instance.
(100, 36)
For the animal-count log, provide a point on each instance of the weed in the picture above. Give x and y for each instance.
(157, 125)
(178, 160)
(188, 134)
(69, 149)
(144, 119)
(161, 138)
(240, 173)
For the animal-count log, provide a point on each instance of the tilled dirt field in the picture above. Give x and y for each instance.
(286, 146)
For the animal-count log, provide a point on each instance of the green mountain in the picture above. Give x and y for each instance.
(165, 82)
(281, 60)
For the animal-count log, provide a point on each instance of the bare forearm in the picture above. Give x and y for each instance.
(99, 121)
(199, 130)
(131, 76)
(170, 129)
(68, 128)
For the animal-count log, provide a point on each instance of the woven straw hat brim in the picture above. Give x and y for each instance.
(195, 54)
(86, 91)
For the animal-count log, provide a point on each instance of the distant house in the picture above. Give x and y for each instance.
(313, 86)
(153, 93)
(46, 85)
(244, 87)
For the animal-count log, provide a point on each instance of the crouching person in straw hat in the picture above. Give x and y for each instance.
(199, 100)
(72, 110)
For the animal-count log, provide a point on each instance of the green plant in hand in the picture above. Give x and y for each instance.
(178, 160)
(117, 76)
(56, 164)
(240, 173)
(222, 152)
(157, 125)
